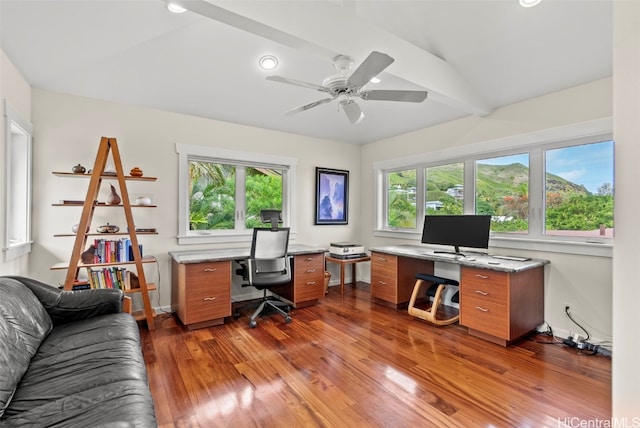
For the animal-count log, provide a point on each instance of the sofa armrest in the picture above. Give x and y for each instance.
(67, 306)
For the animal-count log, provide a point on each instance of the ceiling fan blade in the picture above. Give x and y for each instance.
(297, 83)
(389, 95)
(308, 106)
(353, 112)
(371, 67)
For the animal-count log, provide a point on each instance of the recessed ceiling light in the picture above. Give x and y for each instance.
(175, 8)
(529, 3)
(375, 80)
(268, 62)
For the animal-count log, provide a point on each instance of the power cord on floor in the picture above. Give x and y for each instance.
(583, 344)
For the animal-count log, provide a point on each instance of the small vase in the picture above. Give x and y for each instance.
(78, 169)
(113, 198)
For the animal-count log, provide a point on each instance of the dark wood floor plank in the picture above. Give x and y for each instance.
(350, 362)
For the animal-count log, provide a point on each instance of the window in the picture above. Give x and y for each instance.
(444, 189)
(215, 188)
(502, 190)
(17, 170)
(401, 199)
(222, 192)
(556, 195)
(579, 190)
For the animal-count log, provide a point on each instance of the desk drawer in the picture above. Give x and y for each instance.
(384, 277)
(308, 277)
(488, 285)
(207, 291)
(485, 316)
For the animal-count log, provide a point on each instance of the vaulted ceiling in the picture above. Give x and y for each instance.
(471, 56)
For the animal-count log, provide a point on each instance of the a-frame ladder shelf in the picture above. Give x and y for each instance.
(89, 205)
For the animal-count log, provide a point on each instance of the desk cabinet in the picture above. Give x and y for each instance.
(501, 306)
(307, 278)
(201, 292)
(393, 277)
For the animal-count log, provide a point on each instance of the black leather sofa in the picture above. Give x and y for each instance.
(69, 359)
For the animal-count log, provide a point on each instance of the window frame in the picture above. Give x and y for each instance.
(23, 183)
(535, 144)
(188, 152)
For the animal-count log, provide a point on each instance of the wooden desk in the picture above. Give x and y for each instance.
(201, 282)
(500, 300)
(343, 263)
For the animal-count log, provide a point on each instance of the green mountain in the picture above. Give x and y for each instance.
(498, 180)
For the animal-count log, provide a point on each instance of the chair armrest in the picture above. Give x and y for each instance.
(68, 306)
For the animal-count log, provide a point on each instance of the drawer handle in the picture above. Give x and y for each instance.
(310, 270)
(382, 259)
(209, 299)
(482, 276)
(210, 270)
(311, 283)
(382, 283)
(484, 293)
(310, 259)
(480, 308)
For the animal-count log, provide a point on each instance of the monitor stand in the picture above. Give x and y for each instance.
(455, 253)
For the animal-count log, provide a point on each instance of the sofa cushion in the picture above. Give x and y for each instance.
(24, 323)
(85, 374)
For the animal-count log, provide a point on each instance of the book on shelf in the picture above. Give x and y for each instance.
(112, 277)
(114, 251)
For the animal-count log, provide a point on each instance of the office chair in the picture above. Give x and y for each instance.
(268, 266)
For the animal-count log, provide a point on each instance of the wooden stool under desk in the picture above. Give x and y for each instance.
(440, 284)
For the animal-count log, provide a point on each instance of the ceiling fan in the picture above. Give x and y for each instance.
(345, 88)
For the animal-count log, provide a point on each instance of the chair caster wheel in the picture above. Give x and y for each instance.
(287, 320)
(236, 315)
(253, 324)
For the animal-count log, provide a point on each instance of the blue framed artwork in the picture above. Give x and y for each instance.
(332, 196)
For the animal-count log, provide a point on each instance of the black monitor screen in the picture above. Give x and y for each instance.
(457, 230)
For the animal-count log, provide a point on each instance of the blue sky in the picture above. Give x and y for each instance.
(590, 164)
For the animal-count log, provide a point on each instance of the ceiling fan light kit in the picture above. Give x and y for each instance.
(345, 88)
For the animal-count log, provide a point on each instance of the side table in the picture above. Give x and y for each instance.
(343, 263)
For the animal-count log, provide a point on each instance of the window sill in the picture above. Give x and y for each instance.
(16, 251)
(604, 249)
(228, 237)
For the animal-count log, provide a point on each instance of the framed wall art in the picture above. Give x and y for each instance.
(332, 196)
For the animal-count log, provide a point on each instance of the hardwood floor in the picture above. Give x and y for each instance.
(348, 362)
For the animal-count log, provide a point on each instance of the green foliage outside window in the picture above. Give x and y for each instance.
(402, 199)
(213, 195)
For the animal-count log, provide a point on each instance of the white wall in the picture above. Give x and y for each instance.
(17, 92)
(584, 281)
(626, 293)
(68, 130)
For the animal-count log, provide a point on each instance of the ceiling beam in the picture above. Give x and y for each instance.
(326, 30)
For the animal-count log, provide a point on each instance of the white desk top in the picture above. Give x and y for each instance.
(471, 259)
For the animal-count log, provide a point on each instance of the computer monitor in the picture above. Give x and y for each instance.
(457, 230)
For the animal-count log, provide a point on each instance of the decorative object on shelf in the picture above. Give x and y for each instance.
(108, 228)
(135, 172)
(113, 198)
(78, 169)
(332, 196)
(87, 256)
(143, 200)
(75, 228)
